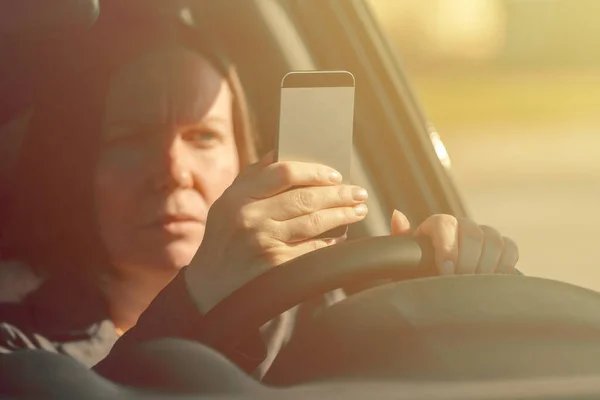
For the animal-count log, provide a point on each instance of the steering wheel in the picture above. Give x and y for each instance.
(508, 326)
(464, 336)
(294, 282)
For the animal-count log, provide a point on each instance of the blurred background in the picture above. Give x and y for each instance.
(513, 88)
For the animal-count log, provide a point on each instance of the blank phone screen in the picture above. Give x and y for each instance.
(316, 126)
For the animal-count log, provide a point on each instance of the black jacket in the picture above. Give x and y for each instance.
(70, 317)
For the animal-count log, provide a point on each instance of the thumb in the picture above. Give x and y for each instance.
(400, 224)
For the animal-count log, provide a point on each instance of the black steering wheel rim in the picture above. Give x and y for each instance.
(290, 284)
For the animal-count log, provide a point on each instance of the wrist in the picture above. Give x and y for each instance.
(201, 286)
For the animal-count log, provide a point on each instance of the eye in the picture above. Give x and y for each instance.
(203, 138)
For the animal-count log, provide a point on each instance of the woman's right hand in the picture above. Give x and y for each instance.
(259, 223)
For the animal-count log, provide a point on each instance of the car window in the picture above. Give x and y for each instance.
(513, 86)
(392, 140)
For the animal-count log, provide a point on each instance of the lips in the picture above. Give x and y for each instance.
(174, 220)
(170, 219)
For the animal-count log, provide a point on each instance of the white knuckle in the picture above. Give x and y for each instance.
(489, 230)
(492, 235)
(285, 173)
(262, 241)
(316, 221)
(511, 250)
(247, 217)
(446, 250)
(446, 220)
(348, 214)
(477, 233)
(442, 229)
(439, 225)
(278, 231)
(344, 194)
(304, 200)
(471, 229)
(322, 174)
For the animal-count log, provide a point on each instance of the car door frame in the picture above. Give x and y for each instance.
(394, 154)
(349, 27)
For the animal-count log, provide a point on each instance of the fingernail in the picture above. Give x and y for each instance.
(359, 194)
(361, 210)
(335, 177)
(447, 268)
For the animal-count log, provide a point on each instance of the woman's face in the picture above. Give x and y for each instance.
(168, 152)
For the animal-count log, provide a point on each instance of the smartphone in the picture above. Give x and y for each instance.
(316, 121)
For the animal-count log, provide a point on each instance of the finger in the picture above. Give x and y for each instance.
(308, 226)
(509, 258)
(301, 201)
(400, 224)
(470, 246)
(336, 240)
(443, 232)
(340, 239)
(275, 256)
(236, 194)
(281, 176)
(493, 246)
(307, 246)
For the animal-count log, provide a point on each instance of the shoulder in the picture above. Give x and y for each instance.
(17, 280)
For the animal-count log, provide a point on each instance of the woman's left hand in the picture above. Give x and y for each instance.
(461, 246)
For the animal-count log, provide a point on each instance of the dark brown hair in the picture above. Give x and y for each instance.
(53, 224)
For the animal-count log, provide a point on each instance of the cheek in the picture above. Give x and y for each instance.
(224, 169)
(114, 196)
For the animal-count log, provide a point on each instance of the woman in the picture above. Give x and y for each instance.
(138, 132)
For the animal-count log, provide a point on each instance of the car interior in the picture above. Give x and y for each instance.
(527, 338)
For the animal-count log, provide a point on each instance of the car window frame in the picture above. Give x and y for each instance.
(407, 130)
(395, 154)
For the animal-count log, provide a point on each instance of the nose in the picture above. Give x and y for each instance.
(174, 165)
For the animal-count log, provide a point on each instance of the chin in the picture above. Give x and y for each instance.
(178, 255)
(153, 256)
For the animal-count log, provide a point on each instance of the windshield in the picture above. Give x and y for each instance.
(513, 87)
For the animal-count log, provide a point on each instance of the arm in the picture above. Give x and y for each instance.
(173, 314)
(257, 224)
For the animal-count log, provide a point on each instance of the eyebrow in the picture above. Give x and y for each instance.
(128, 123)
(213, 119)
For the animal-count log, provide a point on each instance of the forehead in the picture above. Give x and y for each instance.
(167, 85)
